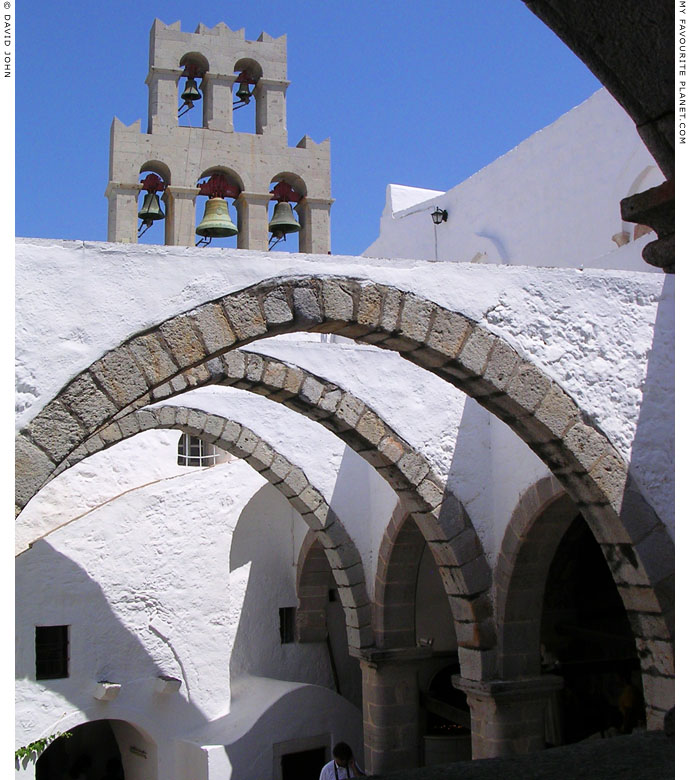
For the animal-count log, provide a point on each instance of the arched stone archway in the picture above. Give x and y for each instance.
(396, 582)
(240, 441)
(541, 517)
(450, 534)
(448, 343)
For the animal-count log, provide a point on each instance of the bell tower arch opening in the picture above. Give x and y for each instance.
(194, 69)
(245, 115)
(216, 207)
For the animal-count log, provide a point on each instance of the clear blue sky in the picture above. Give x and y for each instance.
(416, 93)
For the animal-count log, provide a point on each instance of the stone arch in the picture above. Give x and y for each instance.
(541, 517)
(296, 182)
(250, 65)
(197, 59)
(313, 579)
(451, 345)
(527, 550)
(396, 582)
(288, 479)
(158, 167)
(232, 176)
(452, 541)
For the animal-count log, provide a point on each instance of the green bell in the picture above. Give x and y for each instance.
(151, 209)
(190, 91)
(216, 222)
(283, 221)
(243, 92)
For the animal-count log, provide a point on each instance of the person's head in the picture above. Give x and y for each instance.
(342, 753)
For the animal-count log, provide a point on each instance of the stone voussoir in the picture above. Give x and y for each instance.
(185, 345)
(214, 328)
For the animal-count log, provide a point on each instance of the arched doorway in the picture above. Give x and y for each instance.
(90, 752)
(587, 640)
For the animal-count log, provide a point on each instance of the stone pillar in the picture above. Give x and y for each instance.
(315, 219)
(252, 220)
(180, 216)
(217, 91)
(270, 107)
(390, 706)
(163, 99)
(508, 715)
(122, 212)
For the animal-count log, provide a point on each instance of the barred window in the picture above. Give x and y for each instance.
(192, 451)
(52, 652)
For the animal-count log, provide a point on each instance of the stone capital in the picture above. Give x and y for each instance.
(375, 657)
(509, 690)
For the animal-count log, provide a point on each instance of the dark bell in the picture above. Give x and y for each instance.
(243, 92)
(216, 222)
(283, 221)
(151, 209)
(190, 91)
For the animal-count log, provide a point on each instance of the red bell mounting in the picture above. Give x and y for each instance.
(283, 220)
(216, 222)
(151, 209)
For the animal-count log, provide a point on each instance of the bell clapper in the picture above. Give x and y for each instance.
(204, 241)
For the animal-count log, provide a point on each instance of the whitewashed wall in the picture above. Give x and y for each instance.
(554, 200)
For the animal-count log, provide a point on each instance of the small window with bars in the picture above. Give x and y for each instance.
(286, 616)
(52, 652)
(192, 451)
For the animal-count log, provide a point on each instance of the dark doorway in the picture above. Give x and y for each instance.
(305, 765)
(586, 639)
(91, 752)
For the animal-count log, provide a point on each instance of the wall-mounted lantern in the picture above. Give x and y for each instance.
(439, 215)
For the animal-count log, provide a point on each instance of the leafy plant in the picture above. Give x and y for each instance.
(34, 749)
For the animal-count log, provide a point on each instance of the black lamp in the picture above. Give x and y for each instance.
(439, 215)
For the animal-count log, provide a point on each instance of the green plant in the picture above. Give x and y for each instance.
(34, 749)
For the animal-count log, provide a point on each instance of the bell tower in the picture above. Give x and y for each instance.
(214, 71)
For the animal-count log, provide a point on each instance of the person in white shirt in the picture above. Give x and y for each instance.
(343, 764)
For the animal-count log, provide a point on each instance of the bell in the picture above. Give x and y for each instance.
(216, 222)
(151, 210)
(283, 220)
(243, 92)
(190, 91)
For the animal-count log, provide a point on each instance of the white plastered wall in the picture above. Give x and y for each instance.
(554, 200)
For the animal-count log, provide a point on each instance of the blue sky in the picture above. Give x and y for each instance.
(423, 94)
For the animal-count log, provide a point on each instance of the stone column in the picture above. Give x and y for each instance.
(122, 212)
(315, 219)
(163, 99)
(252, 220)
(180, 216)
(217, 91)
(270, 107)
(507, 715)
(390, 706)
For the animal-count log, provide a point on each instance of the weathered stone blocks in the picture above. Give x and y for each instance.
(56, 431)
(214, 328)
(244, 315)
(32, 468)
(87, 402)
(119, 375)
(185, 345)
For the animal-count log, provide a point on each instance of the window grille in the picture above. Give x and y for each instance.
(192, 451)
(52, 652)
